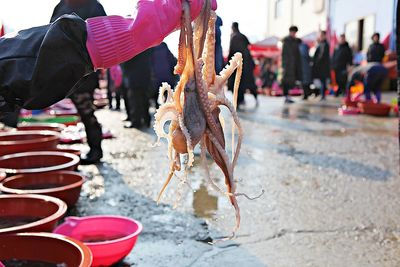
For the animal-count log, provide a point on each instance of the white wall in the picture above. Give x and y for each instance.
(344, 11)
(279, 26)
(306, 17)
(296, 13)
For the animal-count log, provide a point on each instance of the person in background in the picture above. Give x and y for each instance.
(83, 98)
(376, 50)
(124, 94)
(219, 58)
(306, 69)
(342, 59)
(372, 76)
(42, 65)
(240, 43)
(114, 82)
(162, 64)
(268, 76)
(321, 63)
(139, 82)
(291, 62)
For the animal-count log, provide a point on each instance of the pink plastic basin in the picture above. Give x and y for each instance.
(110, 238)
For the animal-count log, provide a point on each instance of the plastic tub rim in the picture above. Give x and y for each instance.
(62, 209)
(11, 190)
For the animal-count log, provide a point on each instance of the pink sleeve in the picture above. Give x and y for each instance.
(114, 39)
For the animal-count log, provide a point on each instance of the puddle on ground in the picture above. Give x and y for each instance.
(204, 204)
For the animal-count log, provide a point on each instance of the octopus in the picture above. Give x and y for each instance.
(193, 108)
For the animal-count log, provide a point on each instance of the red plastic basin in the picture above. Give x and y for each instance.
(44, 247)
(68, 150)
(29, 213)
(56, 127)
(349, 103)
(375, 109)
(38, 161)
(110, 238)
(14, 142)
(65, 185)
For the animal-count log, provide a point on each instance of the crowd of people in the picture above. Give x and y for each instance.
(313, 72)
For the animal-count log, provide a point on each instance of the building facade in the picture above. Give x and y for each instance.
(308, 15)
(358, 19)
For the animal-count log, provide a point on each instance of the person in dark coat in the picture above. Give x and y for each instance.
(291, 62)
(240, 43)
(321, 63)
(306, 69)
(341, 60)
(162, 64)
(376, 51)
(372, 76)
(219, 58)
(138, 83)
(83, 99)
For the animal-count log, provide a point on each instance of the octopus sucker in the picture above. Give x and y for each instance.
(193, 107)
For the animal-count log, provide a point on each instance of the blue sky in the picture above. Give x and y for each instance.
(251, 15)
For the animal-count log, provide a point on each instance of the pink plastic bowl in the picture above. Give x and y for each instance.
(110, 238)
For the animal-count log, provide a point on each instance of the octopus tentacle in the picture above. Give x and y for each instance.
(235, 117)
(209, 53)
(166, 112)
(165, 87)
(201, 24)
(172, 170)
(188, 141)
(205, 103)
(182, 52)
(231, 183)
(207, 170)
(235, 62)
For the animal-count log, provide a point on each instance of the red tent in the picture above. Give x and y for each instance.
(386, 41)
(1, 29)
(266, 48)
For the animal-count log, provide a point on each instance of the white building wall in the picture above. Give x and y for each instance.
(306, 15)
(309, 16)
(345, 11)
(278, 26)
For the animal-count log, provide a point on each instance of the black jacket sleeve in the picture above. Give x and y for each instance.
(42, 65)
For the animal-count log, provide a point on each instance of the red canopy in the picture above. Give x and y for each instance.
(1, 29)
(386, 41)
(266, 48)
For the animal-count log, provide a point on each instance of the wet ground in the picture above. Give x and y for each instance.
(332, 192)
